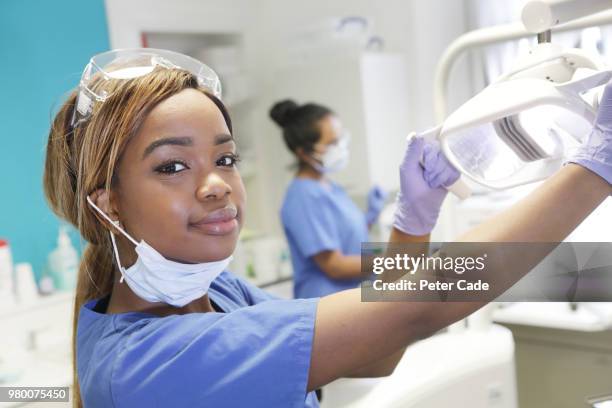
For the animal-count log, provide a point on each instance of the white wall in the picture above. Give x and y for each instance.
(128, 18)
(418, 29)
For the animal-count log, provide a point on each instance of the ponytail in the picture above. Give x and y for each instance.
(95, 275)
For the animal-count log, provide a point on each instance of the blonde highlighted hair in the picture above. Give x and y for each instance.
(84, 159)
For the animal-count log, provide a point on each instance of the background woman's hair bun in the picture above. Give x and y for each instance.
(281, 112)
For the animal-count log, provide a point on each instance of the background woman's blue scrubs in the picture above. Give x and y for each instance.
(255, 354)
(319, 217)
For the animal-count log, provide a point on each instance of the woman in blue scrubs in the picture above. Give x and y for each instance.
(142, 160)
(323, 226)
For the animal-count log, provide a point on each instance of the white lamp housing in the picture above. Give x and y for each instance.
(521, 127)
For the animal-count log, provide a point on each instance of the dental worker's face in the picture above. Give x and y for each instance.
(179, 188)
(330, 129)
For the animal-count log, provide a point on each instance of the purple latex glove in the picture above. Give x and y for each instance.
(424, 173)
(596, 151)
(376, 201)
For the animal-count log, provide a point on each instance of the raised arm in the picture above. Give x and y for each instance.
(350, 334)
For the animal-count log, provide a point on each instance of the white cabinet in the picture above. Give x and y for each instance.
(35, 345)
(560, 368)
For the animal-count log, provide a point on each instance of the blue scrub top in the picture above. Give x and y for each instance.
(255, 354)
(318, 217)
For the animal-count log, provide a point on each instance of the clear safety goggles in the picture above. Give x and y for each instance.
(101, 74)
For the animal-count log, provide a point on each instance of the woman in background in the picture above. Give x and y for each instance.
(323, 226)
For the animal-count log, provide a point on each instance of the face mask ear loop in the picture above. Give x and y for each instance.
(116, 224)
(117, 254)
(316, 161)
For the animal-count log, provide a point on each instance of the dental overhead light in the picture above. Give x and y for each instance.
(522, 126)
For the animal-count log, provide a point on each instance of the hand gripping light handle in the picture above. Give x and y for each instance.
(459, 188)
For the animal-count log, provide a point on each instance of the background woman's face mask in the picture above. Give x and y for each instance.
(157, 279)
(335, 157)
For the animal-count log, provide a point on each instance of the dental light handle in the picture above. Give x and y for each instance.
(587, 81)
(459, 188)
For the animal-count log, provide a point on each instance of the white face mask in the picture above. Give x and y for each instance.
(335, 157)
(157, 279)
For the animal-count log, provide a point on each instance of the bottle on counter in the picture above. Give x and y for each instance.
(45, 284)
(63, 262)
(26, 289)
(7, 291)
